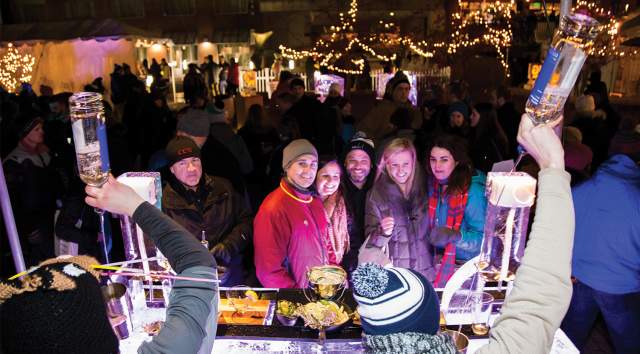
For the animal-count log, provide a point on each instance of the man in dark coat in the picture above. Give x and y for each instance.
(359, 164)
(208, 207)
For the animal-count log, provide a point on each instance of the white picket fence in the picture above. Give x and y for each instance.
(266, 81)
(434, 75)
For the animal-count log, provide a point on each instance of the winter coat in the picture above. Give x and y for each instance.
(33, 186)
(355, 200)
(215, 209)
(377, 123)
(409, 245)
(288, 238)
(472, 227)
(606, 253)
(78, 223)
(224, 134)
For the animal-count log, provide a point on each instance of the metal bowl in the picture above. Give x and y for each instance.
(287, 320)
(326, 290)
(337, 326)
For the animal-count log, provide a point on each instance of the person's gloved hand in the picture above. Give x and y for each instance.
(223, 274)
(221, 253)
(441, 236)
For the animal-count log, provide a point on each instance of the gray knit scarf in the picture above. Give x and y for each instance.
(409, 342)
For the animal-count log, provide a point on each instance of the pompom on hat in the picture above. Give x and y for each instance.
(394, 300)
(56, 307)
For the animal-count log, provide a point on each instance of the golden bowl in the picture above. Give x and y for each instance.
(327, 280)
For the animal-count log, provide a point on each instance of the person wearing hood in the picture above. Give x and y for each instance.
(606, 252)
(459, 120)
(33, 186)
(208, 207)
(359, 162)
(290, 226)
(377, 123)
(396, 219)
(222, 131)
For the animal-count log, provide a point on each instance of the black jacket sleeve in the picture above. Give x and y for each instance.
(181, 249)
(240, 236)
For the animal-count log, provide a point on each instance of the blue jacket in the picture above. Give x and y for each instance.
(472, 227)
(606, 252)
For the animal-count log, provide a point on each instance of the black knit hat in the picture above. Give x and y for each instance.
(360, 142)
(57, 307)
(25, 123)
(181, 147)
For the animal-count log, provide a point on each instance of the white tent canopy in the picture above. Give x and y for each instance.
(71, 54)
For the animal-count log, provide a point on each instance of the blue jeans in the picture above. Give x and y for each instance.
(621, 314)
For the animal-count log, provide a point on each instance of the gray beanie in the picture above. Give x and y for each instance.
(194, 122)
(295, 149)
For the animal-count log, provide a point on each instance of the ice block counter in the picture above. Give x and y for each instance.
(275, 337)
(510, 197)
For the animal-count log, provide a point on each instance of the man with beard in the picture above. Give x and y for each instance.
(358, 162)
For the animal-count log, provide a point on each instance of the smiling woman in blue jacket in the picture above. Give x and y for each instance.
(457, 204)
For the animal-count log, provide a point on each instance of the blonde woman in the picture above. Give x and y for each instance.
(396, 218)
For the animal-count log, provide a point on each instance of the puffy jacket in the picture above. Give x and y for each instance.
(409, 245)
(215, 209)
(472, 227)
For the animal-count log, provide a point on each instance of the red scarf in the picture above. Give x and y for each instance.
(455, 212)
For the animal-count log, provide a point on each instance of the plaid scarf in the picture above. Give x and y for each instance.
(455, 212)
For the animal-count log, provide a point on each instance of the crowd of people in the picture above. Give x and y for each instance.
(305, 183)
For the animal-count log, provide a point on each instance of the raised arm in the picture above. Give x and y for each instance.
(539, 300)
(191, 318)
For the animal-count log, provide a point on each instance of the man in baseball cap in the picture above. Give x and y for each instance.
(208, 207)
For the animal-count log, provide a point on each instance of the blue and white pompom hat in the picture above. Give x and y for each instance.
(394, 300)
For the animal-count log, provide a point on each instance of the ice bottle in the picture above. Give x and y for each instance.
(561, 67)
(510, 197)
(90, 137)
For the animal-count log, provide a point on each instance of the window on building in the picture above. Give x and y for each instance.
(79, 9)
(127, 8)
(232, 6)
(179, 7)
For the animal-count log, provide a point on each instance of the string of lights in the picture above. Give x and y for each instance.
(328, 52)
(609, 44)
(489, 25)
(464, 21)
(15, 68)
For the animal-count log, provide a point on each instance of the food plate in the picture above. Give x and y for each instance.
(324, 314)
